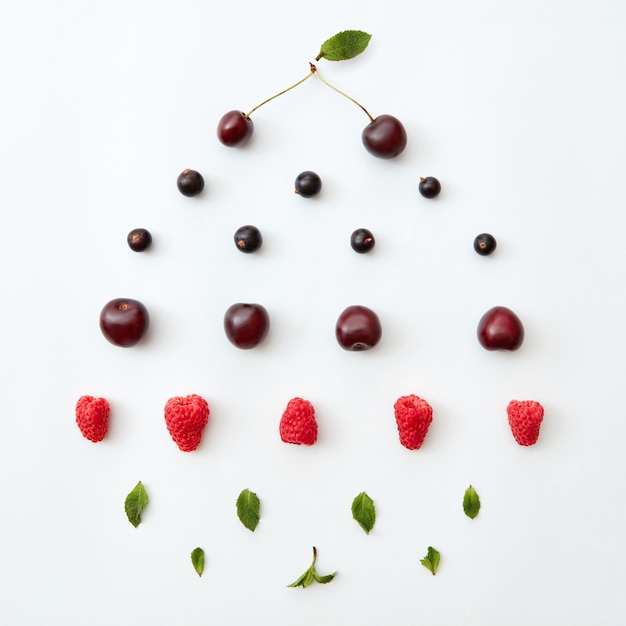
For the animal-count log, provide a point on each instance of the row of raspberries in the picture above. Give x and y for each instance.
(187, 416)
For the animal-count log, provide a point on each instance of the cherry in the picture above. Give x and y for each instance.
(248, 238)
(235, 128)
(190, 183)
(358, 328)
(308, 184)
(500, 329)
(485, 244)
(124, 321)
(246, 325)
(362, 240)
(429, 187)
(384, 137)
(139, 239)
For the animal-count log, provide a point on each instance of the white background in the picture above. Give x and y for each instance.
(518, 108)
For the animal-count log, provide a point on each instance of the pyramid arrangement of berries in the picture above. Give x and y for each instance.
(124, 322)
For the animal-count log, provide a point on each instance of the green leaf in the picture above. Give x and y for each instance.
(431, 560)
(471, 502)
(197, 560)
(344, 45)
(364, 512)
(324, 579)
(248, 509)
(135, 503)
(311, 575)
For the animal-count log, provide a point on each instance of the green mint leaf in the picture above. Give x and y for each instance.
(431, 560)
(311, 575)
(197, 560)
(344, 45)
(471, 502)
(324, 579)
(364, 512)
(248, 509)
(135, 503)
(305, 580)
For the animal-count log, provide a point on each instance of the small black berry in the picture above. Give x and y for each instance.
(429, 187)
(362, 240)
(248, 238)
(190, 183)
(139, 239)
(308, 184)
(484, 244)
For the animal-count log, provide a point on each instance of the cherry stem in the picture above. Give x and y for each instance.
(258, 106)
(345, 95)
(313, 71)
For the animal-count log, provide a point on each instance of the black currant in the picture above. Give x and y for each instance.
(485, 244)
(190, 183)
(308, 184)
(362, 240)
(429, 187)
(248, 238)
(139, 239)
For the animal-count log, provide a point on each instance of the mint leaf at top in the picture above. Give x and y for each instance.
(431, 560)
(344, 45)
(471, 502)
(248, 509)
(197, 560)
(135, 503)
(364, 512)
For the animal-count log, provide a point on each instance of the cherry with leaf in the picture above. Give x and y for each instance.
(384, 136)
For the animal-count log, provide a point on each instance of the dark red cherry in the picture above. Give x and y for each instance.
(500, 329)
(124, 321)
(234, 129)
(246, 325)
(358, 328)
(385, 137)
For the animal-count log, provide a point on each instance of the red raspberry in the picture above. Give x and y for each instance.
(92, 417)
(413, 416)
(186, 418)
(525, 417)
(298, 425)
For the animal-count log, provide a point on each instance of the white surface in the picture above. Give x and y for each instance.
(517, 107)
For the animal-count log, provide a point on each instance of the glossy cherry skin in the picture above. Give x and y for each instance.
(385, 137)
(500, 329)
(124, 321)
(358, 328)
(234, 129)
(246, 325)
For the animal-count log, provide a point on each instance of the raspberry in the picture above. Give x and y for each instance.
(186, 418)
(92, 417)
(525, 417)
(413, 416)
(297, 424)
